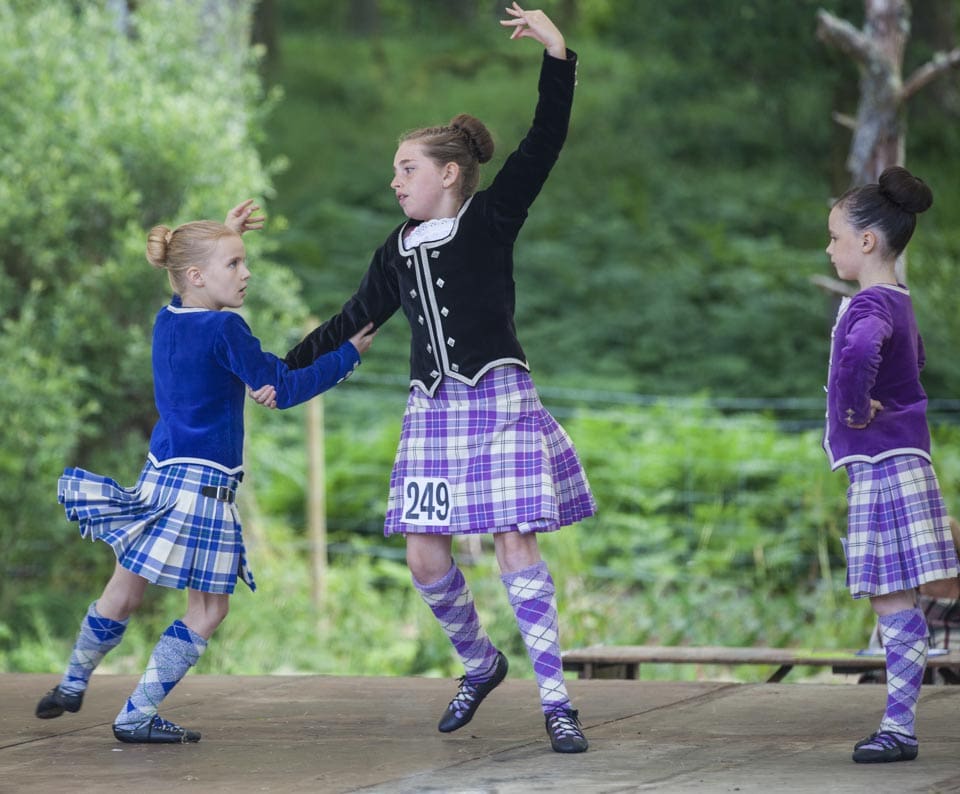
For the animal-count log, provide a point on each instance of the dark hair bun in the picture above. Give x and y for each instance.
(477, 134)
(905, 190)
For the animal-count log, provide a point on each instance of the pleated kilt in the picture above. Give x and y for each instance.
(483, 459)
(898, 533)
(163, 529)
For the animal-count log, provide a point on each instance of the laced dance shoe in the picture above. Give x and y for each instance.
(469, 697)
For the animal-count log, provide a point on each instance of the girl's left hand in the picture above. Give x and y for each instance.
(241, 218)
(265, 396)
(875, 407)
(535, 25)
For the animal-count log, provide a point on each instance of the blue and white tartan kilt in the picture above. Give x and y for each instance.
(163, 528)
(898, 531)
(484, 459)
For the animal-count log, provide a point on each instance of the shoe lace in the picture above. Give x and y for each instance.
(888, 740)
(564, 722)
(464, 697)
(165, 725)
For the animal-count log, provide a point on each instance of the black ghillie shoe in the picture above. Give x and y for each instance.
(155, 731)
(469, 697)
(55, 702)
(885, 746)
(563, 728)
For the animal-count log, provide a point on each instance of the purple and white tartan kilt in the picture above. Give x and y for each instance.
(484, 459)
(163, 528)
(898, 534)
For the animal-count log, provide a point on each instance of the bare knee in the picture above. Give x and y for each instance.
(891, 603)
(205, 612)
(122, 596)
(428, 557)
(516, 551)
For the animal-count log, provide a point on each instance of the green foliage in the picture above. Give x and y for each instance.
(673, 247)
(97, 143)
(712, 529)
(670, 253)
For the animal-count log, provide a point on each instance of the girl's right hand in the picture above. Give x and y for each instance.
(363, 338)
(241, 218)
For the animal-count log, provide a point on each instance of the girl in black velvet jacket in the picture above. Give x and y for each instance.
(478, 453)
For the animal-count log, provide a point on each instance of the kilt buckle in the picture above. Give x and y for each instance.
(219, 492)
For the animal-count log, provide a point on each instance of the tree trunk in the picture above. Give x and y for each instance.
(879, 129)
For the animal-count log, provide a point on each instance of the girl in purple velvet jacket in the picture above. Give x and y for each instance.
(898, 533)
(179, 526)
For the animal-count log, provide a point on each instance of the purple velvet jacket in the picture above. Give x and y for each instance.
(876, 352)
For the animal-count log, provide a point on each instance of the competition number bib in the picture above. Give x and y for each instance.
(426, 501)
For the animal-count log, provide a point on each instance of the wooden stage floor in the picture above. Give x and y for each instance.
(345, 734)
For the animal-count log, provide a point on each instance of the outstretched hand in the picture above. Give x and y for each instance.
(363, 338)
(535, 25)
(265, 396)
(241, 218)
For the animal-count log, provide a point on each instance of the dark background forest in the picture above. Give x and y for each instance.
(665, 281)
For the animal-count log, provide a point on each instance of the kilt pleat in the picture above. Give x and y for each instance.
(163, 528)
(898, 532)
(508, 464)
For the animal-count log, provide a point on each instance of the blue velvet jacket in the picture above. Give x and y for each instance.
(202, 362)
(457, 293)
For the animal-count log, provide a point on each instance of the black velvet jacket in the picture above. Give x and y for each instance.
(458, 292)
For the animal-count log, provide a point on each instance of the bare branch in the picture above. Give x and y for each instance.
(844, 120)
(941, 62)
(844, 36)
(832, 286)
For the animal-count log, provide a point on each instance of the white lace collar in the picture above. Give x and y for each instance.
(429, 231)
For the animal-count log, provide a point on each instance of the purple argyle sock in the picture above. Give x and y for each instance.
(532, 596)
(452, 604)
(97, 636)
(175, 653)
(904, 636)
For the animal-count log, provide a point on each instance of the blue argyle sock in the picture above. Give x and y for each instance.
(96, 637)
(177, 651)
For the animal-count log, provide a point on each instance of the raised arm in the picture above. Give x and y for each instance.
(524, 172)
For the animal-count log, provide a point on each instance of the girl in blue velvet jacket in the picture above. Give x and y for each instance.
(178, 526)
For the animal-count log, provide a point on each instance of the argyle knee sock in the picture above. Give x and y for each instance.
(96, 637)
(452, 604)
(177, 651)
(904, 636)
(532, 596)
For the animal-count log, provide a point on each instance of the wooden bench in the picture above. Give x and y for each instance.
(623, 661)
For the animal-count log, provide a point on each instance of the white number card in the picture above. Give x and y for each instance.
(426, 501)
